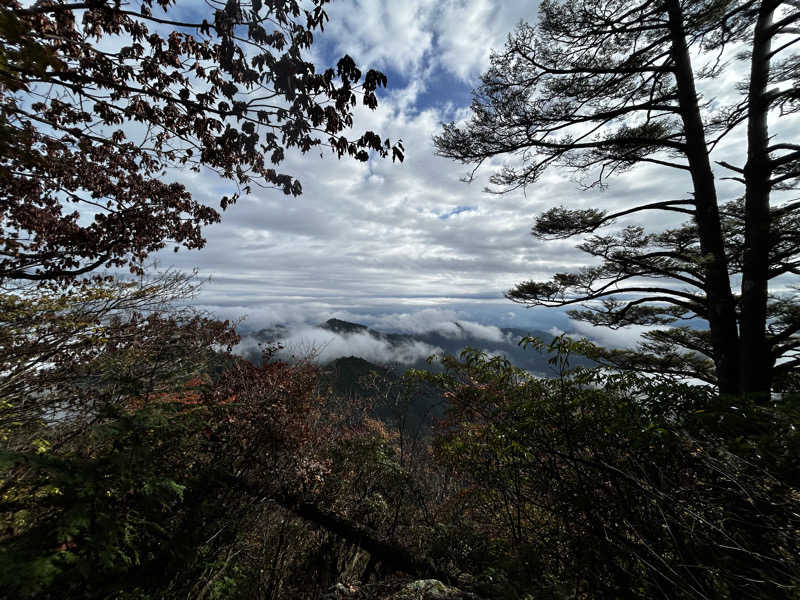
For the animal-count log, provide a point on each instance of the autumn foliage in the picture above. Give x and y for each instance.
(89, 136)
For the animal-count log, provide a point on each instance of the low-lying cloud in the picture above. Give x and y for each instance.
(625, 337)
(445, 322)
(323, 346)
(301, 336)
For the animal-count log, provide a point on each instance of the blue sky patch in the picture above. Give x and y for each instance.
(457, 210)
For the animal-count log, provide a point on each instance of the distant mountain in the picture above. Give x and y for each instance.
(339, 326)
(354, 376)
(450, 338)
(360, 370)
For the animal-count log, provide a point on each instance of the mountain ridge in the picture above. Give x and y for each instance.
(451, 337)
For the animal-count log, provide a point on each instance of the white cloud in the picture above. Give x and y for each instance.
(364, 231)
(625, 337)
(413, 36)
(367, 237)
(420, 321)
(371, 31)
(324, 346)
(255, 317)
(468, 30)
(446, 322)
(482, 332)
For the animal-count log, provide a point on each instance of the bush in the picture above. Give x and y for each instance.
(605, 485)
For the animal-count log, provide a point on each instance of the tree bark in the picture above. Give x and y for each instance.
(721, 304)
(755, 357)
(390, 554)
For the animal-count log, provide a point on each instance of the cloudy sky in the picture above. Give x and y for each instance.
(369, 240)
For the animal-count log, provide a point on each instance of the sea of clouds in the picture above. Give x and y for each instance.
(305, 338)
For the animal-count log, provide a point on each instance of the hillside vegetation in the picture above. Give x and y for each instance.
(196, 473)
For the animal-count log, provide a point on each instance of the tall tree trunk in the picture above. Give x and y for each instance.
(721, 304)
(756, 362)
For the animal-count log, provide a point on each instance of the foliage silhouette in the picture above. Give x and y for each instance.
(601, 87)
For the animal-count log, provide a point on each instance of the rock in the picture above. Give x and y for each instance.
(427, 589)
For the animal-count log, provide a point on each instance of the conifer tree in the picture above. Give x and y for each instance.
(603, 86)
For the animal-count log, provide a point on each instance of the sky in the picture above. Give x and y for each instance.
(384, 242)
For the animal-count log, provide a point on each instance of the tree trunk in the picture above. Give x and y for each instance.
(756, 362)
(721, 304)
(388, 553)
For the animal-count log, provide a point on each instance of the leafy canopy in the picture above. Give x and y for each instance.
(99, 101)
